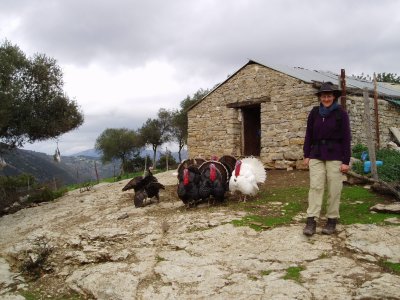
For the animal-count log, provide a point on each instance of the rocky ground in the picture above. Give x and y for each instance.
(97, 245)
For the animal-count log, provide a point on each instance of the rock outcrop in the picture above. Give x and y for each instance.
(164, 251)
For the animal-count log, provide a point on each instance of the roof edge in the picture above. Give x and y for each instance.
(250, 62)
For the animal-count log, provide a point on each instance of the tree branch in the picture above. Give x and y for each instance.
(395, 192)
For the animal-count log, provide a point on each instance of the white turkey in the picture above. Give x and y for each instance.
(248, 173)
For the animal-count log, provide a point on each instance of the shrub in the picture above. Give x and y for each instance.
(45, 194)
(389, 171)
(134, 164)
(36, 259)
(13, 183)
(13, 187)
(162, 162)
(357, 150)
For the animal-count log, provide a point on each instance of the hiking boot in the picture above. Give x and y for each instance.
(330, 226)
(311, 226)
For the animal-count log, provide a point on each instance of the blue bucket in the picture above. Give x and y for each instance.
(367, 165)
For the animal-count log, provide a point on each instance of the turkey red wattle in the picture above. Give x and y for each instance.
(213, 172)
(185, 177)
(237, 168)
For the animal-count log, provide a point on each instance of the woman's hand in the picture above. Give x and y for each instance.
(344, 168)
(306, 161)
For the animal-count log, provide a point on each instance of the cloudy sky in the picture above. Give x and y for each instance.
(123, 60)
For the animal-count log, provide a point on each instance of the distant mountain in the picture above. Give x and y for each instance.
(43, 167)
(76, 168)
(88, 153)
(93, 153)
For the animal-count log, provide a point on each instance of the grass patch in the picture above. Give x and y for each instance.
(391, 267)
(355, 204)
(265, 273)
(159, 258)
(252, 277)
(293, 273)
(29, 295)
(264, 212)
(324, 255)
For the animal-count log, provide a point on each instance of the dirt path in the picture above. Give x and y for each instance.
(102, 247)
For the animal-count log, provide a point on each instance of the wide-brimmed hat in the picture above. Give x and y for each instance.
(328, 87)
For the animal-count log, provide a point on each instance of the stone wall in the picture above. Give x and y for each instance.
(215, 129)
(389, 116)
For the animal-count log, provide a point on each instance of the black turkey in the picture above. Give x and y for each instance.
(214, 180)
(145, 187)
(189, 181)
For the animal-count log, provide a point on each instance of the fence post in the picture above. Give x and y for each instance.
(97, 173)
(166, 158)
(343, 89)
(368, 128)
(376, 108)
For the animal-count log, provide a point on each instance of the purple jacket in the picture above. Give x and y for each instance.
(325, 140)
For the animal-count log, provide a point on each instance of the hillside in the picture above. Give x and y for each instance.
(76, 168)
(95, 154)
(71, 169)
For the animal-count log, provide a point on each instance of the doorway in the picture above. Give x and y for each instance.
(251, 130)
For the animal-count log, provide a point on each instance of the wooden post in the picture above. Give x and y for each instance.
(343, 88)
(145, 166)
(167, 154)
(378, 144)
(368, 128)
(97, 174)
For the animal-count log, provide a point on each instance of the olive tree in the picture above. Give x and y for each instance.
(156, 132)
(179, 121)
(33, 104)
(122, 144)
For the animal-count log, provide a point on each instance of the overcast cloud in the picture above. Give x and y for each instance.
(124, 59)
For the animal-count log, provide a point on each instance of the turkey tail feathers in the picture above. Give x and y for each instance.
(257, 168)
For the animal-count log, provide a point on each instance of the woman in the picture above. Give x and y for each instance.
(327, 154)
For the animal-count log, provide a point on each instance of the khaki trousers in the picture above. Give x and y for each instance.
(322, 173)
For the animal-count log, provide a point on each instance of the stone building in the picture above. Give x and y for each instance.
(262, 111)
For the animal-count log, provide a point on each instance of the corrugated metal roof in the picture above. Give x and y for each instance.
(394, 101)
(324, 76)
(393, 86)
(387, 91)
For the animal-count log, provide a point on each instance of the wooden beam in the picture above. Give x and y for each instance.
(250, 102)
(376, 112)
(343, 88)
(368, 132)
